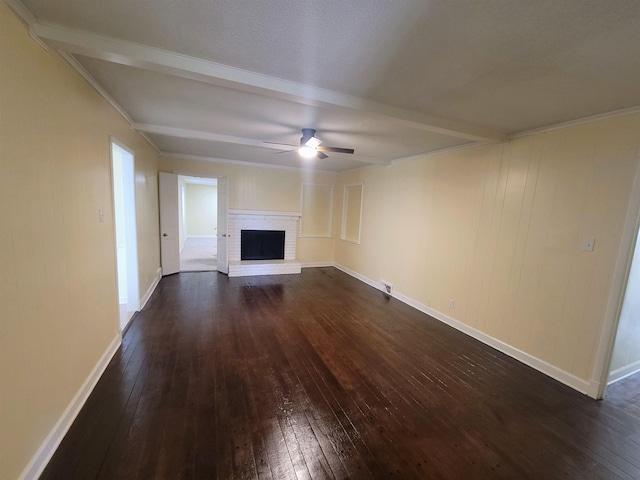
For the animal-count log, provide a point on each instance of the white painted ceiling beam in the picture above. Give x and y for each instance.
(141, 56)
(199, 135)
(217, 137)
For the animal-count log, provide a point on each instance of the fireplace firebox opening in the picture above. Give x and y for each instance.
(262, 244)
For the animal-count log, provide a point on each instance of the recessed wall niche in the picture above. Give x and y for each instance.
(352, 213)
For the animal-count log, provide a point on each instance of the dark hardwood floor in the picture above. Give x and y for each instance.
(318, 376)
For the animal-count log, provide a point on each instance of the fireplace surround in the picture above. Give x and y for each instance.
(269, 221)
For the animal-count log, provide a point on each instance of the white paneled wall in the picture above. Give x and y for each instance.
(499, 229)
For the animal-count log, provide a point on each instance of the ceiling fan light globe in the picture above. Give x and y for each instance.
(307, 152)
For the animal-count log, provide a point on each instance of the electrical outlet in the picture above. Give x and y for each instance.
(451, 303)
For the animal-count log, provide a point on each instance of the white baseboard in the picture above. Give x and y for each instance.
(623, 372)
(41, 458)
(362, 278)
(589, 388)
(151, 289)
(317, 264)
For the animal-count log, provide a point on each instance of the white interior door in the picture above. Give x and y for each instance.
(223, 201)
(169, 223)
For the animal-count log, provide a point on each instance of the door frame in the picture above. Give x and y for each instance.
(220, 179)
(131, 235)
(615, 300)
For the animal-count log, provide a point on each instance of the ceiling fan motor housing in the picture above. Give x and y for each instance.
(307, 134)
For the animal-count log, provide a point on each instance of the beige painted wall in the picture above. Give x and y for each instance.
(499, 230)
(58, 294)
(201, 209)
(259, 188)
(317, 211)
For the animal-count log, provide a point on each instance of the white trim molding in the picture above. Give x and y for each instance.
(579, 121)
(145, 298)
(617, 289)
(269, 213)
(48, 447)
(317, 264)
(582, 386)
(201, 158)
(623, 372)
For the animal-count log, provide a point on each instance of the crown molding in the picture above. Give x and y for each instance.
(579, 121)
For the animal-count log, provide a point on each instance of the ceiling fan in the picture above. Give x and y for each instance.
(310, 146)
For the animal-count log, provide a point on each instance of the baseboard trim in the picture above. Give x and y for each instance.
(362, 278)
(151, 289)
(623, 372)
(123, 332)
(48, 447)
(582, 386)
(317, 264)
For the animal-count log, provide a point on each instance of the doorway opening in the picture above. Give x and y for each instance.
(198, 223)
(124, 207)
(620, 343)
(173, 224)
(625, 358)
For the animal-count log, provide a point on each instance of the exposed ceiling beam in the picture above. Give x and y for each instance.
(200, 158)
(141, 56)
(199, 135)
(217, 137)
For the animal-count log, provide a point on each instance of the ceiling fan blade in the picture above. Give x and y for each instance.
(321, 155)
(335, 149)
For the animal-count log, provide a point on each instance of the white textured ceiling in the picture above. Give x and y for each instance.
(390, 78)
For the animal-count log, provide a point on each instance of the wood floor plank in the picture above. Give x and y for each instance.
(319, 376)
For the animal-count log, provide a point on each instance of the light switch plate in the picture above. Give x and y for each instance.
(588, 244)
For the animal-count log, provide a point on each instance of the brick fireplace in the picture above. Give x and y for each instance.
(239, 220)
